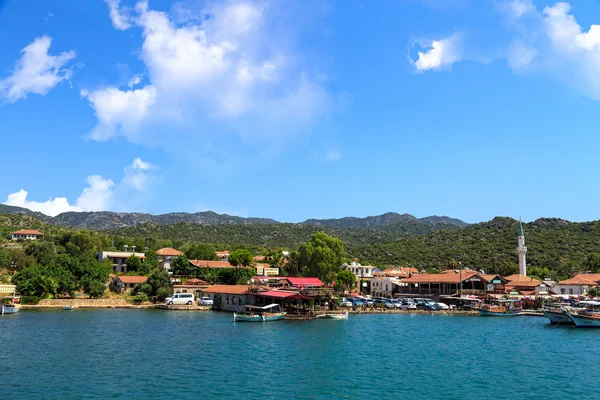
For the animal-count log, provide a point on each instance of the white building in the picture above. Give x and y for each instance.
(385, 286)
(166, 256)
(27, 234)
(522, 250)
(577, 285)
(118, 259)
(361, 271)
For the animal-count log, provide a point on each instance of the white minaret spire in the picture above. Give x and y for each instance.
(522, 250)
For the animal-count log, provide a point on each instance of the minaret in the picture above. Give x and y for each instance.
(522, 250)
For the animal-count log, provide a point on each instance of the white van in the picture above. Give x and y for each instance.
(181, 298)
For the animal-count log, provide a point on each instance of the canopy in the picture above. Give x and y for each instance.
(280, 294)
(296, 281)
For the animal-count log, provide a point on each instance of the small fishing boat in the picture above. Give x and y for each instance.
(337, 316)
(591, 320)
(557, 316)
(501, 308)
(272, 312)
(68, 308)
(9, 309)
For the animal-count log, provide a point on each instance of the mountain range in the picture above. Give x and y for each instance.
(103, 220)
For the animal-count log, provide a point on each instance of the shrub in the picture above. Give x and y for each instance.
(163, 293)
(140, 298)
(29, 300)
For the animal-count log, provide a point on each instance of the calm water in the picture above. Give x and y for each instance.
(155, 354)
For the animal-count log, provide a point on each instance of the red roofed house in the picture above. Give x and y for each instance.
(228, 297)
(524, 285)
(118, 259)
(123, 284)
(448, 282)
(166, 255)
(222, 255)
(577, 285)
(210, 264)
(195, 286)
(27, 234)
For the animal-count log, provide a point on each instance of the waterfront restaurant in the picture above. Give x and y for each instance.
(521, 285)
(447, 282)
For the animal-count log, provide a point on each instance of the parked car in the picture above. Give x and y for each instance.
(427, 305)
(383, 303)
(397, 303)
(205, 301)
(442, 306)
(367, 302)
(181, 298)
(344, 302)
(408, 304)
(356, 302)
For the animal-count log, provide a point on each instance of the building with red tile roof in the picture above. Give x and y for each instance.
(577, 285)
(228, 297)
(211, 264)
(27, 234)
(125, 283)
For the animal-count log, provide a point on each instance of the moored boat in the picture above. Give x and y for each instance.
(501, 308)
(558, 316)
(337, 316)
(272, 312)
(9, 309)
(68, 308)
(591, 320)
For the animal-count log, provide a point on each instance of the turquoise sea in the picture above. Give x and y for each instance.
(155, 354)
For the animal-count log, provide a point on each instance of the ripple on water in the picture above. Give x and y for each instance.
(150, 354)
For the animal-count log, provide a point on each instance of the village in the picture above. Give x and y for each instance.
(391, 289)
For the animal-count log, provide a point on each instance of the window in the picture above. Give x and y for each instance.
(562, 290)
(570, 291)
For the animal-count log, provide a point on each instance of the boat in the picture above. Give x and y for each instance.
(501, 308)
(9, 309)
(68, 308)
(591, 320)
(558, 316)
(272, 312)
(337, 316)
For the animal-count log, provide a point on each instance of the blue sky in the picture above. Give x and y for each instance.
(295, 110)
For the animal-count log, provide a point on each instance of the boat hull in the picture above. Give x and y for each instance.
(584, 321)
(257, 317)
(8, 310)
(337, 316)
(557, 317)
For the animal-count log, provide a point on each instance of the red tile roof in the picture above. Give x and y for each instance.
(195, 281)
(227, 289)
(169, 251)
(450, 276)
(28, 232)
(296, 281)
(133, 279)
(518, 281)
(259, 258)
(211, 264)
(582, 279)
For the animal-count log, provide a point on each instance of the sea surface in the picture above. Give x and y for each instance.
(156, 354)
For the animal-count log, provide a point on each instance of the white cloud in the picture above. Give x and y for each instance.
(119, 16)
(440, 54)
(101, 194)
(519, 8)
(36, 71)
(134, 81)
(50, 207)
(119, 110)
(222, 65)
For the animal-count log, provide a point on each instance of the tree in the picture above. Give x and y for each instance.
(163, 292)
(94, 277)
(35, 281)
(150, 262)
(345, 281)
(134, 264)
(201, 251)
(241, 257)
(158, 279)
(182, 266)
(322, 255)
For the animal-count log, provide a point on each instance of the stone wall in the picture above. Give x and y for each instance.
(82, 302)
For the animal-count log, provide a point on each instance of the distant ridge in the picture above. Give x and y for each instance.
(102, 220)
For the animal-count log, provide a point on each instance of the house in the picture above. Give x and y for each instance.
(27, 234)
(166, 256)
(525, 286)
(447, 282)
(577, 285)
(363, 273)
(495, 283)
(385, 286)
(122, 284)
(118, 259)
(222, 255)
(195, 286)
(398, 272)
(228, 297)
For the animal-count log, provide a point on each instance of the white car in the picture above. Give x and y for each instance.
(442, 306)
(205, 301)
(181, 298)
(345, 303)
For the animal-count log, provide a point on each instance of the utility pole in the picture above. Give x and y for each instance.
(460, 277)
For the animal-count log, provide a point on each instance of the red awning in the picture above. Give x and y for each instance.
(279, 294)
(295, 281)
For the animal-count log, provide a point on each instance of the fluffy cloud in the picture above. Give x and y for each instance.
(36, 71)
(220, 65)
(440, 54)
(119, 16)
(99, 195)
